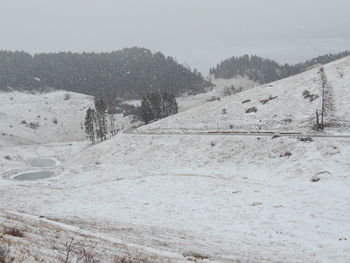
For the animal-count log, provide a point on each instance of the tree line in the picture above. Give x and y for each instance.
(96, 126)
(265, 70)
(127, 74)
(154, 106)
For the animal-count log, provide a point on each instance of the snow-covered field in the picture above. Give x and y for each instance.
(38, 118)
(227, 198)
(42, 118)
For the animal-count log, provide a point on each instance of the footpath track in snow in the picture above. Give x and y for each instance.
(228, 133)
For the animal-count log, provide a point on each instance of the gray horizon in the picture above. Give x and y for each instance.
(198, 33)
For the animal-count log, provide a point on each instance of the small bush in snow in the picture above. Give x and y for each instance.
(264, 101)
(24, 122)
(305, 139)
(128, 260)
(308, 95)
(15, 232)
(33, 125)
(224, 111)
(4, 255)
(251, 110)
(213, 98)
(288, 120)
(315, 179)
(67, 96)
(54, 120)
(195, 257)
(286, 154)
(212, 144)
(246, 101)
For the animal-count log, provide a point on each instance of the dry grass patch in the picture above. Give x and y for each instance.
(15, 232)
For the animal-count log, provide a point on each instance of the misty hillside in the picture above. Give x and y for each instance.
(265, 70)
(129, 73)
(285, 105)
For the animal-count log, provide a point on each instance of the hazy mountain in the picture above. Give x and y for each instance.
(129, 73)
(265, 70)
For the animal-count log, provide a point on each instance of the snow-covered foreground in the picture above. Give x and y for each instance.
(224, 198)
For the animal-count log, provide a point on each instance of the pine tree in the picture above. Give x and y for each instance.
(100, 119)
(146, 110)
(174, 106)
(110, 111)
(89, 124)
(155, 106)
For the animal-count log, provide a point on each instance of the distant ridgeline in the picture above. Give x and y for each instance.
(265, 70)
(129, 73)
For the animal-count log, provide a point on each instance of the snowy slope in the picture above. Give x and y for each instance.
(230, 198)
(19, 109)
(288, 111)
(222, 88)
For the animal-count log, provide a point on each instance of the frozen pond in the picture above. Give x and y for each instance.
(47, 164)
(32, 176)
(43, 163)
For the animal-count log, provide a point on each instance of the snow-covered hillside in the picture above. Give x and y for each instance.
(56, 116)
(195, 197)
(222, 88)
(279, 106)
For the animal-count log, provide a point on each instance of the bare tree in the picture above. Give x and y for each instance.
(72, 251)
(111, 110)
(328, 102)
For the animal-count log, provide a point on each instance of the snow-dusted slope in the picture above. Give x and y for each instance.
(41, 118)
(288, 110)
(222, 88)
(227, 198)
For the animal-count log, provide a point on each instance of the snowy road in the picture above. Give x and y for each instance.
(238, 133)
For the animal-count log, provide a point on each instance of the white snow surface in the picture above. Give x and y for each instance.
(231, 198)
(220, 90)
(19, 109)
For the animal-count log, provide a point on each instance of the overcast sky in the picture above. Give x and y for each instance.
(199, 33)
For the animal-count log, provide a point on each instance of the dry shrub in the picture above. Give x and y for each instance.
(15, 232)
(4, 255)
(251, 110)
(192, 256)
